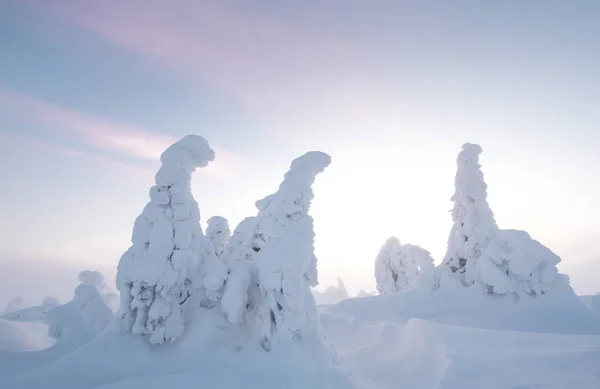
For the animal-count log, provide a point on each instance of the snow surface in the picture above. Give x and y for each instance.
(497, 316)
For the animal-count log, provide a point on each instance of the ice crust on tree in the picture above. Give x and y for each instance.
(170, 259)
(402, 267)
(218, 232)
(87, 315)
(504, 261)
(271, 259)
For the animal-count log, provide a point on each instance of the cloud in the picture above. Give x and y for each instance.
(106, 135)
(262, 61)
(95, 131)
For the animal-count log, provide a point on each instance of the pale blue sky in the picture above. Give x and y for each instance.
(90, 92)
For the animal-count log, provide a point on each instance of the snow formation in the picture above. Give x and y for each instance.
(170, 260)
(479, 252)
(16, 304)
(272, 263)
(218, 233)
(84, 317)
(331, 294)
(402, 267)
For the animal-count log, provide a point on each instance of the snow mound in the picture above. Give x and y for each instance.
(559, 311)
(211, 353)
(18, 337)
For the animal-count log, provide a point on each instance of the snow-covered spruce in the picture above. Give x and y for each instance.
(170, 259)
(272, 263)
(503, 261)
(386, 273)
(401, 267)
(14, 305)
(218, 232)
(474, 225)
(331, 294)
(84, 317)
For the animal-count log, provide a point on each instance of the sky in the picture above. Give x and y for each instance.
(91, 92)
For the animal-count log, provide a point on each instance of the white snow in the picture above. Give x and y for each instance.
(332, 294)
(218, 233)
(402, 267)
(170, 259)
(239, 312)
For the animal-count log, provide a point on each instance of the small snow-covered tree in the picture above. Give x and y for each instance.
(418, 266)
(474, 225)
(86, 315)
(14, 305)
(332, 294)
(50, 302)
(362, 293)
(386, 266)
(170, 259)
(241, 293)
(217, 231)
(401, 267)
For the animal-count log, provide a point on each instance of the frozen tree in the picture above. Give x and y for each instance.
(418, 266)
(401, 267)
(95, 278)
(362, 293)
(332, 294)
(474, 225)
(50, 302)
(86, 315)
(241, 293)
(286, 259)
(271, 260)
(503, 261)
(386, 266)
(14, 305)
(218, 233)
(170, 260)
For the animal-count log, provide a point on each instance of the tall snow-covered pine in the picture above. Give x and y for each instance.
(170, 259)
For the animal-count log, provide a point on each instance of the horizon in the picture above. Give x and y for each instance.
(91, 95)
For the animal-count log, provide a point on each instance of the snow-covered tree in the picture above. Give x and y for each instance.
(50, 302)
(170, 260)
(83, 317)
(362, 293)
(287, 254)
(401, 267)
(503, 261)
(14, 305)
(92, 277)
(386, 266)
(271, 259)
(218, 233)
(474, 225)
(241, 294)
(418, 266)
(332, 294)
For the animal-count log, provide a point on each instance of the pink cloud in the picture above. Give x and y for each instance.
(95, 131)
(105, 134)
